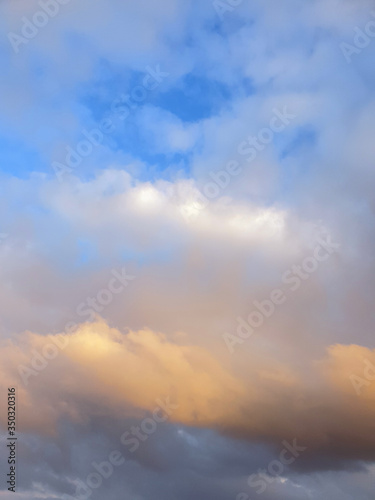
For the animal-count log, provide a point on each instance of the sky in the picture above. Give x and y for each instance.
(186, 248)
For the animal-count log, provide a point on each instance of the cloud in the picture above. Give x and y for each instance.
(141, 202)
(136, 368)
(103, 371)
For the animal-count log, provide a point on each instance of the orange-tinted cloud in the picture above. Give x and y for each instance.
(104, 371)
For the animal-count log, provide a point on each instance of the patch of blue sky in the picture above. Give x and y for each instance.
(18, 159)
(191, 98)
(128, 138)
(195, 98)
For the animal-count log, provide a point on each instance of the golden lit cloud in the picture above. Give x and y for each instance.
(104, 371)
